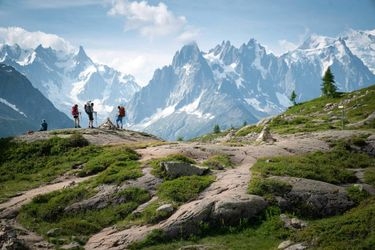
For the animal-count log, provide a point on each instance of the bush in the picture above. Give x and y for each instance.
(268, 187)
(369, 176)
(353, 230)
(218, 162)
(357, 194)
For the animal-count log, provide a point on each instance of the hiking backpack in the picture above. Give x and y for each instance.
(75, 110)
(122, 111)
(88, 107)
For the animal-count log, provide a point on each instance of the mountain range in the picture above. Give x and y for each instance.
(225, 86)
(71, 77)
(228, 86)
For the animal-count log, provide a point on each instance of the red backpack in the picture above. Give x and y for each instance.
(75, 110)
(122, 111)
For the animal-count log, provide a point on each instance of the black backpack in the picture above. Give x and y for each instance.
(88, 107)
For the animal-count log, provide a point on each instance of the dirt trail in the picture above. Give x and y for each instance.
(230, 182)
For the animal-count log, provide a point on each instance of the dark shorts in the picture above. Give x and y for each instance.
(91, 116)
(75, 116)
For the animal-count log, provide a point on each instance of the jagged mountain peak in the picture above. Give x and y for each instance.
(81, 56)
(189, 53)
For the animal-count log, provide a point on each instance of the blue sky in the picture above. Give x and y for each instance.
(137, 37)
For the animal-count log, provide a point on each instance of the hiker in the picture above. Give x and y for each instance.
(120, 115)
(75, 114)
(89, 109)
(43, 126)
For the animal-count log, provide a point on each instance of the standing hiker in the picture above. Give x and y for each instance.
(89, 109)
(120, 115)
(75, 114)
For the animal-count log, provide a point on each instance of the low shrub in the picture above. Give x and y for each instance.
(354, 229)
(184, 188)
(218, 162)
(268, 187)
(357, 194)
(369, 176)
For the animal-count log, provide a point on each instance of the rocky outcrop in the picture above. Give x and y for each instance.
(314, 199)
(226, 211)
(176, 169)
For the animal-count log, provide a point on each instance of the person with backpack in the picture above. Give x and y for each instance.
(120, 115)
(43, 126)
(89, 109)
(75, 114)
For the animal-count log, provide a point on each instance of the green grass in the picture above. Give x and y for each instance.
(329, 166)
(183, 189)
(268, 187)
(47, 212)
(369, 176)
(218, 162)
(316, 115)
(353, 230)
(27, 165)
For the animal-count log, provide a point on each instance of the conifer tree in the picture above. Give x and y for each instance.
(329, 88)
(293, 97)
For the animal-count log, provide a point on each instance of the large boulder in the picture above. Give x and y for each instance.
(228, 210)
(314, 199)
(176, 169)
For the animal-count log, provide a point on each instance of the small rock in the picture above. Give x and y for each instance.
(285, 244)
(297, 246)
(177, 169)
(54, 232)
(166, 208)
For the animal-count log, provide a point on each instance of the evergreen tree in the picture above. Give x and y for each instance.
(293, 97)
(216, 129)
(329, 88)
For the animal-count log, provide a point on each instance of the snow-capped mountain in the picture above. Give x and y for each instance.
(68, 77)
(362, 44)
(229, 85)
(22, 107)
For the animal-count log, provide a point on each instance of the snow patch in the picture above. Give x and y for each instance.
(160, 113)
(192, 109)
(12, 106)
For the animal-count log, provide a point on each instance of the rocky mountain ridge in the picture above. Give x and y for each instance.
(228, 86)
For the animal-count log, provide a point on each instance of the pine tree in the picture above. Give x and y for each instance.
(216, 129)
(293, 97)
(329, 88)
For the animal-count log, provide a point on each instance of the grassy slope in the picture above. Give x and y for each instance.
(24, 166)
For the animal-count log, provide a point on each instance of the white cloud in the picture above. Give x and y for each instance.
(287, 46)
(27, 39)
(150, 21)
(139, 64)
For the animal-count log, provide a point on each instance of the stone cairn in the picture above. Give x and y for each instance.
(108, 124)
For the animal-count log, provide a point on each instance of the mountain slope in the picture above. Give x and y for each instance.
(22, 107)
